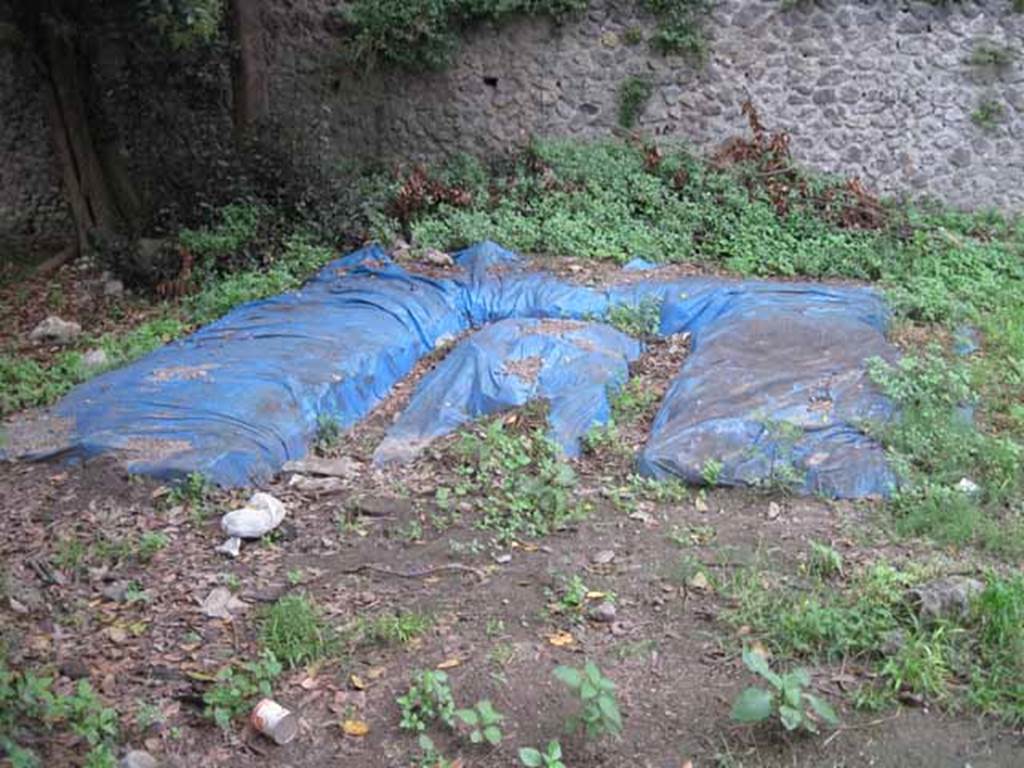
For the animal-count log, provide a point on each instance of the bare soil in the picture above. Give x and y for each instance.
(670, 649)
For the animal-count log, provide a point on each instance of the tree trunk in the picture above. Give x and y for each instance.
(248, 71)
(92, 203)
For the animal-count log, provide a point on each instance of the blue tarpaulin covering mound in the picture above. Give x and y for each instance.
(572, 365)
(774, 391)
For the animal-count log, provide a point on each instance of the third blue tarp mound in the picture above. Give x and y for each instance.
(775, 391)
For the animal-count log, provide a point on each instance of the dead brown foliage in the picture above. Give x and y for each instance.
(419, 192)
(767, 168)
(182, 283)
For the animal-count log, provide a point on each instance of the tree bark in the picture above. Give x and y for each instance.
(85, 183)
(248, 71)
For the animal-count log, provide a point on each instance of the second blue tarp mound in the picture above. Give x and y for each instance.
(573, 365)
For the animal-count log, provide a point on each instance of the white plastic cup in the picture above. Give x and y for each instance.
(274, 721)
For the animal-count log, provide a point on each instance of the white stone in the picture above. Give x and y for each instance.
(95, 358)
(54, 329)
(137, 758)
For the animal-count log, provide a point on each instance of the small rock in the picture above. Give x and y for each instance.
(437, 258)
(774, 510)
(383, 506)
(261, 514)
(317, 485)
(232, 547)
(603, 557)
(136, 758)
(54, 330)
(948, 598)
(503, 559)
(95, 358)
(74, 669)
(16, 606)
(604, 613)
(343, 466)
(221, 604)
(25, 598)
(113, 288)
(893, 642)
(968, 486)
(115, 592)
(117, 634)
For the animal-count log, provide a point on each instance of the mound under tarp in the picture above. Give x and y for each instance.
(775, 389)
(572, 365)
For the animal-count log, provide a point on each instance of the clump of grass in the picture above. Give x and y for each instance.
(641, 319)
(935, 445)
(988, 114)
(392, 629)
(295, 632)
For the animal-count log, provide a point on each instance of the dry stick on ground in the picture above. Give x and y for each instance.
(858, 726)
(417, 574)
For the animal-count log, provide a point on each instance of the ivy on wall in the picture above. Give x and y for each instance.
(680, 28)
(425, 34)
(416, 34)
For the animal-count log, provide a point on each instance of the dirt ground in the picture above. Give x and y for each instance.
(375, 544)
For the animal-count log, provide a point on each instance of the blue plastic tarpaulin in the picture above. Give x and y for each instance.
(572, 365)
(775, 387)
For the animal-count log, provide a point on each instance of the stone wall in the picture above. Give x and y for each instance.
(876, 88)
(881, 89)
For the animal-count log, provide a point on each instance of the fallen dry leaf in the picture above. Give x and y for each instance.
(357, 682)
(355, 728)
(561, 639)
(449, 663)
(759, 648)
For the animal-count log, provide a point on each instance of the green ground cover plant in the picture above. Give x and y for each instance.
(30, 709)
(867, 618)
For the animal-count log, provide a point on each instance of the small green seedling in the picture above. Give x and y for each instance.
(550, 758)
(236, 689)
(428, 698)
(431, 756)
(786, 698)
(328, 433)
(825, 561)
(711, 472)
(149, 544)
(599, 708)
(483, 719)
